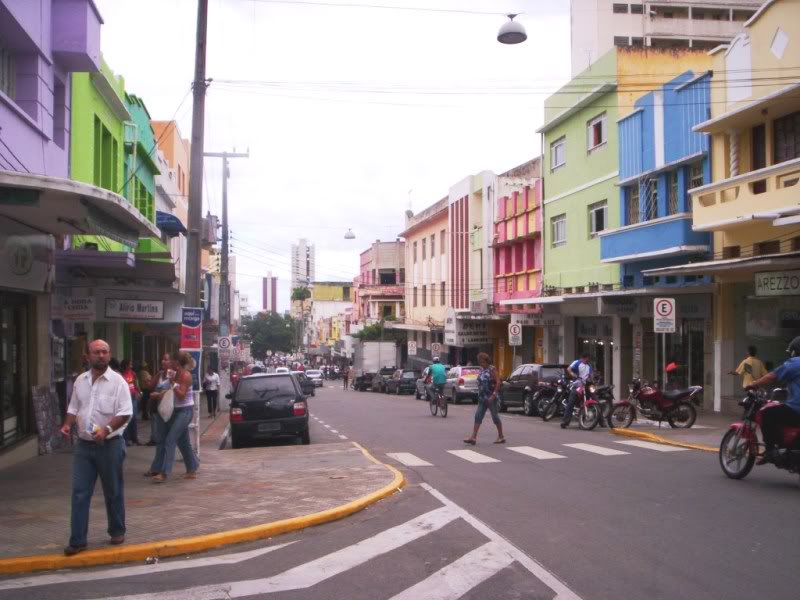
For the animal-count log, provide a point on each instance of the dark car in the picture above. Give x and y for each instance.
(363, 382)
(266, 406)
(306, 384)
(518, 389)
(402, 381)
(380, 379)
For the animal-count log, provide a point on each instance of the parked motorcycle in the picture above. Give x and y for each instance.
(587, 409)
(651, 402)
(740, 444)
(551, 403)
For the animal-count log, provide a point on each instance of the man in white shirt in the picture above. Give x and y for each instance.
(101, 407)
(211, 387)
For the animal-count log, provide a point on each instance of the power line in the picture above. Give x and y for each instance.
(22, 164)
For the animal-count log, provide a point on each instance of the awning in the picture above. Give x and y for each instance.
(169, 223)
(748, 264)
(411, 327)
(116, 265)
(534, 300)
(779, 103)
(65, 207)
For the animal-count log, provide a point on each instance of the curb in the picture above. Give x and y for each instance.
(200, 543)
(657, 439)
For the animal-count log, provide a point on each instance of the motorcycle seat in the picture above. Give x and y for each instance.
(677, 394)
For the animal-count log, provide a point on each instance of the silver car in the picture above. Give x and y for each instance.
(462, 384)
(315, 375)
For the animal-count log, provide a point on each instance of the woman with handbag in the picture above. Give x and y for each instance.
(176, 430)
(158, 386)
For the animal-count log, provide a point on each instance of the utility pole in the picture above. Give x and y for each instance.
(193, 264)
(224, 284)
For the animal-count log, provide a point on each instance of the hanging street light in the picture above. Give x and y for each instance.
(511, 32)
(349, 235)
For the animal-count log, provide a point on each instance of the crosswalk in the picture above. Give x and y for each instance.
(612, 449)
(487, 555)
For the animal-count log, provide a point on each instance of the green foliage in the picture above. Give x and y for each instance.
(269, 331)
(299, 294)
(372, 333)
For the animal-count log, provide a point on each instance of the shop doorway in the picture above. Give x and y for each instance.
(685, 347)
(594, 336)
(14, 384)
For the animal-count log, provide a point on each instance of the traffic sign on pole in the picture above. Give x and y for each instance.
(514, 334)
(412, 348)
(664, 315)
(436, 349)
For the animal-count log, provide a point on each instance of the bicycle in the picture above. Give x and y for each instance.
(438, 402)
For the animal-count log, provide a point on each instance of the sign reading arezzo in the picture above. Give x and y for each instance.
(146, 310)
(778, 283)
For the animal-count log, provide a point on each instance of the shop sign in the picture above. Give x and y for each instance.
(78, 308)
(664, 315)
(464, 332)
(688, 306)
(790, 319)
(617, 306)
(26, 261)
(778, 283)
(134, 310)
(192, 328)
(544, 320)
(594, 328)
(524, 320)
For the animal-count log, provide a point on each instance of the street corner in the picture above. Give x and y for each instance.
(646, 436)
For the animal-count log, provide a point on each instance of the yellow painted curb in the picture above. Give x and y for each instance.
(200, 543)
(657, 439)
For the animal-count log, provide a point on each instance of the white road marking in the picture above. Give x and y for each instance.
(472, 456)
(664, 424)
(81, 576)
(408, 459)
(321, 422)
(653, 446)
(459, 577)
(344, 437)
(597, 449)
(535, 452)
(316, 571)
(549, 579)
(334, 431)
(327, 426)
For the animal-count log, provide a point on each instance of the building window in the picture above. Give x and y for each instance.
(558, 229)
(632, 205)
(442, 299)
(414, 297)
(442, 242)
(598, 217)
(596, 132)
(433, 294)
(8, 72)
(558, 153)
(621, 40)
(650, 200)
(786, 133)
(696, 176)
(637, 42)
(424, 296)
(414, 252)
(424, 248)
(672, 204)
(637, 9)
(621, 9)
(433, 245)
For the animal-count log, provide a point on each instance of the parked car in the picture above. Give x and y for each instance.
(363, 382)
(518, 390)
(380, 379)
(402, 381)
(306, 384)
(422, 391)
(315, 375)
(462, 384)
(281, 370)
(266, 406)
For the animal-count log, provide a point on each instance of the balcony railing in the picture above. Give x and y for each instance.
(737, 200)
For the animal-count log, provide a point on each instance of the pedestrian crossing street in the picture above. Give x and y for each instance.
(571, 450)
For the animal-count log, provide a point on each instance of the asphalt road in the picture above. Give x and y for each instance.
(566, 514)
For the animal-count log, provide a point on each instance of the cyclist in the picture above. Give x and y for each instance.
(437, 375)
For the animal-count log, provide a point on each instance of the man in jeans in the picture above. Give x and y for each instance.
(101, 407)
(581, 371)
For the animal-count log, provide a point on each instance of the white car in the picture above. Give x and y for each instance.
(282, 370)
(315, 375)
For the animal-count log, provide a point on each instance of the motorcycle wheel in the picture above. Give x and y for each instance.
(621, 416)
(550, 411)
(683, 417)
(589, 417)
(443, 410)
(529, 405)
(541, 404)
(434, 406)
(736, 456)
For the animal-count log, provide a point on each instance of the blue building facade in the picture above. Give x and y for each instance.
(660, 159)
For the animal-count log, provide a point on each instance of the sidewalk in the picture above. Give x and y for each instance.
(256, 488)
(707, 432)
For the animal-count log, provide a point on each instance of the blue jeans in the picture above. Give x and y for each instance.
(88, 461)
(174, 435)
(483, 406)
(573, 397)
(131, 432)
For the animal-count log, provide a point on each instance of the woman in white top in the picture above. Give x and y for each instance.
(211, 386)
(176, 431)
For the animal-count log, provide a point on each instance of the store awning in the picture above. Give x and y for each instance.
(778, 103)
(169, 223)
(116, 265)
(747, 264)
(410, 327)
(65, 207)
(534, 300)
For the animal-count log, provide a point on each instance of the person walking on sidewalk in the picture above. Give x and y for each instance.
(131, 434)
(176, 432)
(488, 384)
(101, 406)
(751, 368)
(145, 383)
(158, 385)
(211, 386)
(345, 376)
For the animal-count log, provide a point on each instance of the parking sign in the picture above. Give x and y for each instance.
(664, 315)
(514, 334)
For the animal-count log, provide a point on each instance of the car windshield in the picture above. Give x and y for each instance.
(299, 374)
(550, 373)
(264, 388)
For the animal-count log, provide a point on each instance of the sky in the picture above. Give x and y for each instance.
(351, 114)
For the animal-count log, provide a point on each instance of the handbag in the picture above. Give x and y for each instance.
(166, 405)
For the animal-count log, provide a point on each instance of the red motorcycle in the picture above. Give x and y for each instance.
(587, 409)
(650, 401)
(740, 445)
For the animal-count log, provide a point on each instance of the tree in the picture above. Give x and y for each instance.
(301, 294)
(269, 331)
(372, 333)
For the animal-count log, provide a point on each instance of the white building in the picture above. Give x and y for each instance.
(599, 25)
(303, 264)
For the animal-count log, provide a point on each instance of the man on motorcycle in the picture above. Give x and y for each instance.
(581, 371)
(785, 415)
(437, 374)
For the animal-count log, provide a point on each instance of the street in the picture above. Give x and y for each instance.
(567, 514)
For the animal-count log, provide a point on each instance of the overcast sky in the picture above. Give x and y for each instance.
(351, 114)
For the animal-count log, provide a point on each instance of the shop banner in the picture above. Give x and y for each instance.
(134, 310)
(778, 283)
(197, 355)
(77, 309)
(192, 329)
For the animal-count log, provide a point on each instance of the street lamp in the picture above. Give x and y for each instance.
(511, 32)
(349, 235)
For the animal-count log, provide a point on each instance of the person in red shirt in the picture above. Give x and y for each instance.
(131, 432)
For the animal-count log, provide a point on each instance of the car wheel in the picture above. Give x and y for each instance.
(305, 437)
(501, 406)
